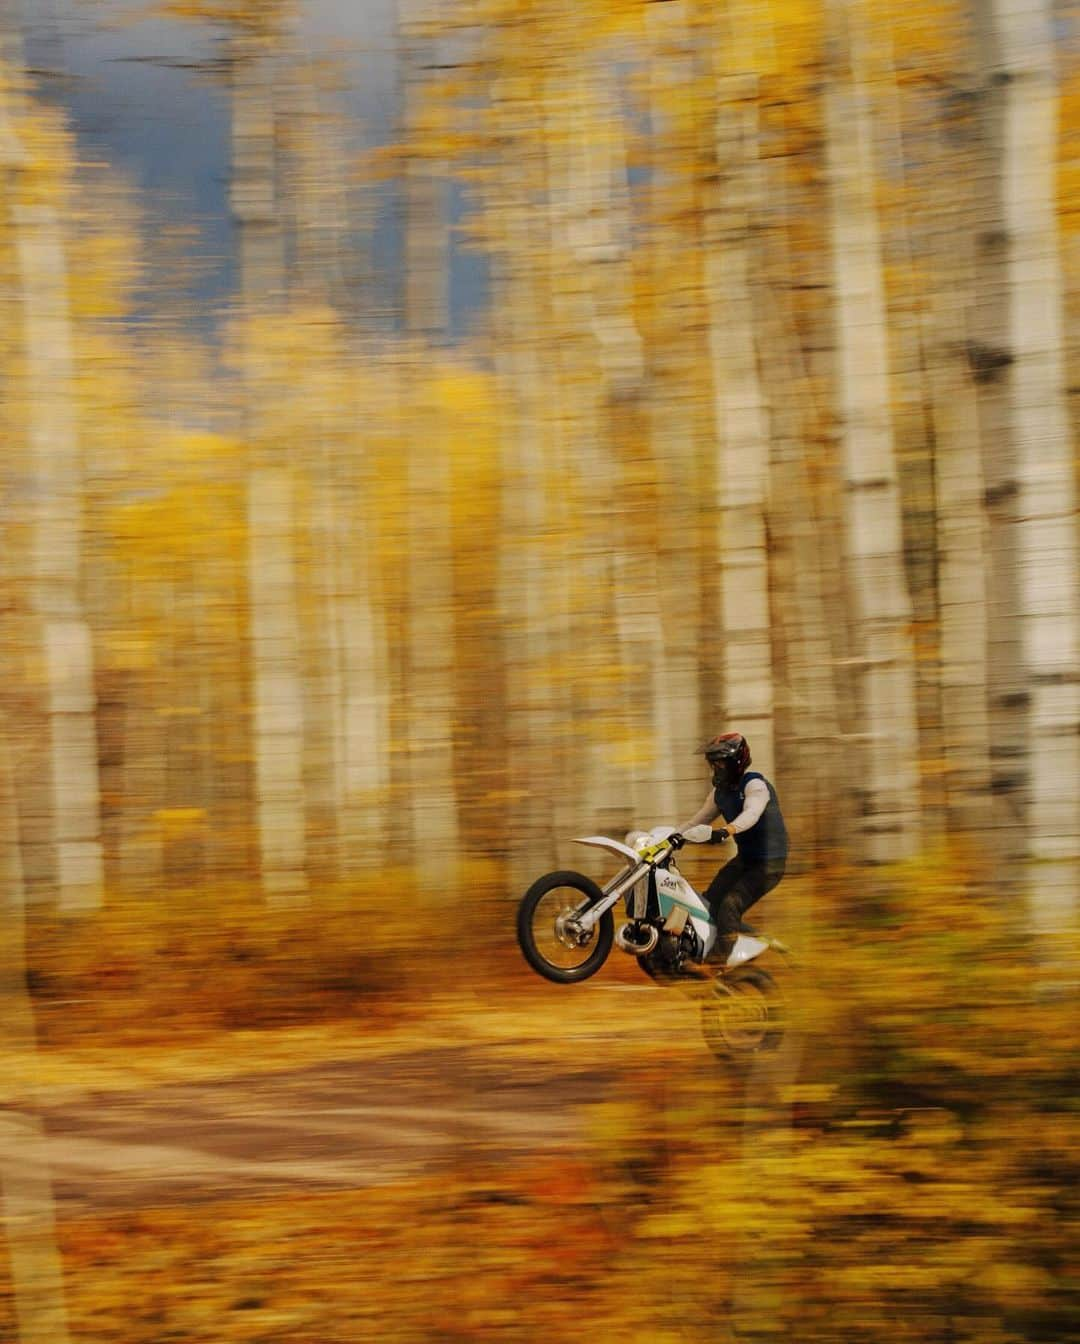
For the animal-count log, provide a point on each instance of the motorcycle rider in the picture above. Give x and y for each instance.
(750, 809)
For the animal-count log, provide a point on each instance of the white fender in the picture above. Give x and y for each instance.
(614, 846)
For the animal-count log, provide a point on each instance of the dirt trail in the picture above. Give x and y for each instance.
(332, 1125)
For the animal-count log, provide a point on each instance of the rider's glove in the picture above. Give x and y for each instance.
(668, 844)
(720, 836)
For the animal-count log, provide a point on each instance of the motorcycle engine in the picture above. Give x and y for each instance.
(691, 944)
(674, 948)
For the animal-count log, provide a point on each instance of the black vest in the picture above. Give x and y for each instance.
(767, 840)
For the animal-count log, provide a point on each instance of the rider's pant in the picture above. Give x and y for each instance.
(737, 886)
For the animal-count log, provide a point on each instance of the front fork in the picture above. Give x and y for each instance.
(617, 887)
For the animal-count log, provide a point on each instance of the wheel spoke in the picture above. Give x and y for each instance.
(551, 939)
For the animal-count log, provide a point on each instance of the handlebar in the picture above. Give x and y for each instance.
(676, 840)
(668, 845)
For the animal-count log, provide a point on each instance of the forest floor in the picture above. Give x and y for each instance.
(343, 1105)
(347, 1180)
(515, 1161)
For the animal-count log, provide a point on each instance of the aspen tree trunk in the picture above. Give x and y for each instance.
(317, 224)
(345, 742)
(885, 666)
(651, 711)
(275, 630)
(963, 560)
(591, 342)
(808, 322)
(430, 633)
(324, 706)
(26, 1200)
(1045, 527)
(990, 357)
(912, 432)
(140, 860)
(224, 696)
(361, 645)
(62, 821)
(963, 550)
(679, 441)
(742, 421)
(183, 815)
(818, 813)
(532, 578)
(426, 209)
(348, 762)
(316, 182)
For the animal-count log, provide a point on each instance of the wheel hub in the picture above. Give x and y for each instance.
(569, 932)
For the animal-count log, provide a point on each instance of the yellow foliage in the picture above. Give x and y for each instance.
(927, 1184)
(129, 652)
(103, 268)
(262, 17)
(688, 1183)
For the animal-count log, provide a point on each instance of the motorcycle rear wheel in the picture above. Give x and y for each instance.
(743, 1014)
(545, 933)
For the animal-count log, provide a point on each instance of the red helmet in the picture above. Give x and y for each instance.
(729, 756)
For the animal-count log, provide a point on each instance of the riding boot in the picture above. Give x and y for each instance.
(721, 949)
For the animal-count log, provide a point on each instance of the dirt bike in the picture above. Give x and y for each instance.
(566, 929)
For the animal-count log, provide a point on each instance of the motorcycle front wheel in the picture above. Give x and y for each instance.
(549, 940)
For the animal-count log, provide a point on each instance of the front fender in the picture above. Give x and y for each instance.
(613, 846)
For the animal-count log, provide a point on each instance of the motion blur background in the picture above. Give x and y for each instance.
(426, 423)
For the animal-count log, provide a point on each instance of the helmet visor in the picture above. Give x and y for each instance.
(723, 752)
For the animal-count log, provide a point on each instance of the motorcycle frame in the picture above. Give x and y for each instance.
(673, 892)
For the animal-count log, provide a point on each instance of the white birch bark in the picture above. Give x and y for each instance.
(936, 425)
(313, 201)
(346, 737)
(275, 629)
(912, 431)
(963, 558)
(253, 195)
(1046, 513)
(652, 713)
(963, 542)
(26, 1200)
(64, 838)
(887, 724)
(579, 384)
(742, 422)
(279, 711)
(990, 357)
(680, 433)
(426, 234)
(353, 684)
(361, 642)
(316, 183)
(808, 706)
(531, 582)
(430, 633)
(140, 858)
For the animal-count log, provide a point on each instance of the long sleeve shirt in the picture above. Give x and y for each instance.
(756, 800)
